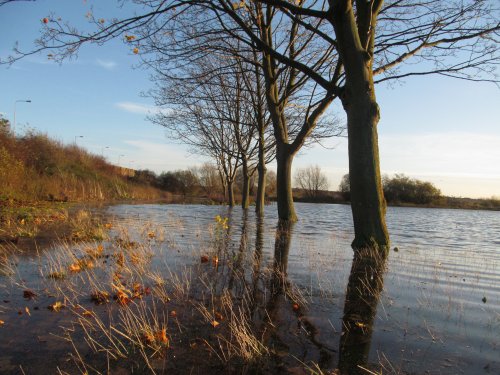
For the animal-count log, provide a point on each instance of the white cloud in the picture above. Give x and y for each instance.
(138, 108)
(459, 163)
(453, 154)
(160, 156)
(106, 64)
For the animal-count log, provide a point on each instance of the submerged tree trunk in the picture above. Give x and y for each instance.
(284, 158)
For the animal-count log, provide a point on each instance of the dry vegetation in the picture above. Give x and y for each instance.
(37, 168)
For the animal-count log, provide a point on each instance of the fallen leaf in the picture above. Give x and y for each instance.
(122, 297)
(27, 311)
(296, 307)
(56, 306)
(99, 297)
(2, 323)
(161, 336)
(214, 323)
(29, 294)
(204, 259)
(75, 267)
(173, 314)
(218, 316)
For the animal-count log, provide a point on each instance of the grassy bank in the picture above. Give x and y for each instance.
(41, 177)
(36, 168)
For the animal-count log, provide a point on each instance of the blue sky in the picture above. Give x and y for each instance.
(433, 128)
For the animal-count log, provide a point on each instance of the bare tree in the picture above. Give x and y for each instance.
(389, 40)
(208, 176)
(311, 180)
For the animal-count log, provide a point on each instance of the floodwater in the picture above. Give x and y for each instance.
(431, 307)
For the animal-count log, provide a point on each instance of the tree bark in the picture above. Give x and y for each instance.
(359, 101)
(230, 193)
(261, 169)
(367, 197)
(284, 158)
(261, 189)
(245, 199)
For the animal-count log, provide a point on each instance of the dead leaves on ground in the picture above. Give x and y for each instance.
(29, 294)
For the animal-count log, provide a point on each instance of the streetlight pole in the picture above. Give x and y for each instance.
(119, 159)
(78, 136)
(15, 103)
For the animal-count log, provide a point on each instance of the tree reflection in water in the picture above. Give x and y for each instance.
(275, 309)
(365, 285)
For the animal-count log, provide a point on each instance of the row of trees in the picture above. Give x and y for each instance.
(400, 189)
(246, 82)
(205, 180)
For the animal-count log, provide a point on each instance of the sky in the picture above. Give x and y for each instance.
(437, 129)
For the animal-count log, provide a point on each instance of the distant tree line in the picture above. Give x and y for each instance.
(202, 181)
(400, 189)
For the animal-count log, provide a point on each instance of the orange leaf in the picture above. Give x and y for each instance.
(214, 323)
(56, 306)
(2, 323)
(204, 259)
(75, 267)
(295, 307)
(161, 336)
(27, 310)
(173, 314)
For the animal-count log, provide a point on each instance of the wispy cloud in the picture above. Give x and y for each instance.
(160, 156)
(106, 64)
(139, 108)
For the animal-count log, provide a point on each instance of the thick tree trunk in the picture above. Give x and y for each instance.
(367, 198)
(230, 193)
(359, 101)
(284, 158)
(245, 198)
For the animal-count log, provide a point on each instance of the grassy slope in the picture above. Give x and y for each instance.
(35, 168)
